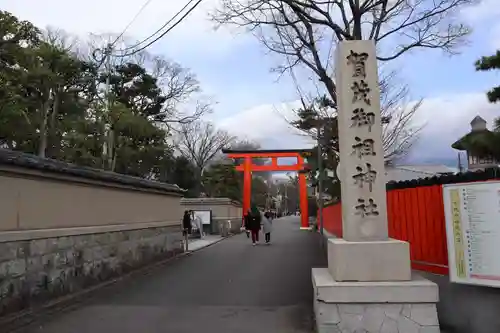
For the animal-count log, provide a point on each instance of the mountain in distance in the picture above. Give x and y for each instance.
(449, 161)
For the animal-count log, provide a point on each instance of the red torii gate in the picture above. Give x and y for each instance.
(247, 167)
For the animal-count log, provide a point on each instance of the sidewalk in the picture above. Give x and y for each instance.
(197, 244)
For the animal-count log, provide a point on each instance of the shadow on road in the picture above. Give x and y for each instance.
(228, 287)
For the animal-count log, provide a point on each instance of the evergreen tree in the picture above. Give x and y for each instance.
(488, 63)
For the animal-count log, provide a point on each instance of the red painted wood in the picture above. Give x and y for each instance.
(263, 155)
(415, 215)
(247, 185)
(304, 209)
(248, 167)
(270, 167)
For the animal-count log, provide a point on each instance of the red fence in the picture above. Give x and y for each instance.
(415, 215)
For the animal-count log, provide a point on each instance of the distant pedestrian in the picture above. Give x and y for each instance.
(196, 220)
(186, 223)
(246, 223)
(267, 224)
(254, 221)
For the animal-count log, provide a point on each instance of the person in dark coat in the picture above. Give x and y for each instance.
(186, 223)
(253, 223)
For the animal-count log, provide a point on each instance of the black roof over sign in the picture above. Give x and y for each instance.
(28, 161)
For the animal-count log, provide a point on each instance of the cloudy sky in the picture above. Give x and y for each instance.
(234, 69)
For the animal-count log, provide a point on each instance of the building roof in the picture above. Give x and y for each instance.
(27, 161)
(477, 141)
(478, 119)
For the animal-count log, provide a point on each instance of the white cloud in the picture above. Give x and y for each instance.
(446, 119)
(495, 37)
(486, 14)
(484, 10)
(268, 125)
(452, 113)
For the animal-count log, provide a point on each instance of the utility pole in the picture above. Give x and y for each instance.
(320, 175)
(107, 148)
(460, 166)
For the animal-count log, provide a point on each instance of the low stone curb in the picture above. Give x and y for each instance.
(208, 245)
(16, 322)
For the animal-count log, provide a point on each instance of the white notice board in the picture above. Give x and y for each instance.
(204, 215)
(472, 212)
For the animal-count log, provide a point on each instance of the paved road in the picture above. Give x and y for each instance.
(228, 287)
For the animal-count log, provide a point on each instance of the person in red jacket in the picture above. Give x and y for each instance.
(246, 223)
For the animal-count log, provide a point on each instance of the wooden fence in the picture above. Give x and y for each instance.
(415, 215)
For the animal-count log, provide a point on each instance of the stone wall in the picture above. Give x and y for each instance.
(39, 193)
(227, 227)
(380, 318)
(35, 270)
(64, 227)
(223, 210)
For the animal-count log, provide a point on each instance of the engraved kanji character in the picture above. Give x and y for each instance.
(358, 61)
(365, 177)
(360, 91)
(363, 147)
(364, 209)
(362, 118)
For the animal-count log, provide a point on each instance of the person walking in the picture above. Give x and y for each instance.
(254, 221)
(186, 223)
(246, 223)
(267, 225)
(198, 223)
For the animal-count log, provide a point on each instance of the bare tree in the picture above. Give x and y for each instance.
(305, 33)
(60, 39)
(179, 85)
(398, 132)
(184, 99)
(252, 145)
(201, 142)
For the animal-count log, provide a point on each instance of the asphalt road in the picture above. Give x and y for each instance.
(228, 287)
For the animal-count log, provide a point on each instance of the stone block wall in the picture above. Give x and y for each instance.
(225, 228)
(223, 209)
(32, 271)
(376, 318)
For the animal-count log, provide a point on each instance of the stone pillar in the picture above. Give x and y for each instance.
(366, 253)
(368, 285)
(364, 206)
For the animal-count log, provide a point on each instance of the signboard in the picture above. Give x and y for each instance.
(472, 212)
(204, 215)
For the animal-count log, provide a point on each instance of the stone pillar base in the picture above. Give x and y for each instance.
(374, 307)
(369, 261)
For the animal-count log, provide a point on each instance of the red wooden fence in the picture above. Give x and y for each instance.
(415, 215)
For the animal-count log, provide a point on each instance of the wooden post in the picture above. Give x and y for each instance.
(304, 207)
(247, 184)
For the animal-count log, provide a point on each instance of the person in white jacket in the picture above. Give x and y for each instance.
(267, 226)
(199, 224)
